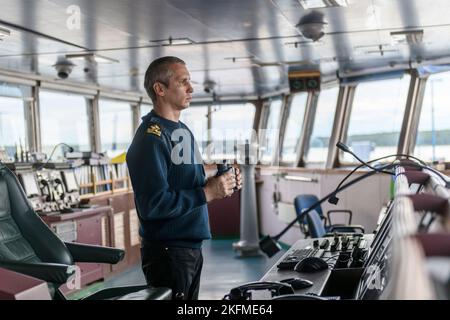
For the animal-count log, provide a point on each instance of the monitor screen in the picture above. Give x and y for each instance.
(70, 181)
(30, 184)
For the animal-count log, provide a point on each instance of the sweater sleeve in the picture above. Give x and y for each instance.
(154, 198)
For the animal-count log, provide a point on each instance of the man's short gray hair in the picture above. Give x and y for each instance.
(159, 71)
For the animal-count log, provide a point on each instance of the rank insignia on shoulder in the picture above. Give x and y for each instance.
(154, 129)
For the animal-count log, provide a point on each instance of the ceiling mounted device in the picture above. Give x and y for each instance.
(63, 67)
(311, 25)
(209, 86)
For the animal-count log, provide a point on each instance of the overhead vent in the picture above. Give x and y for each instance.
(317, 4)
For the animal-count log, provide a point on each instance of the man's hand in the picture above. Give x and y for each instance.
(222, 186)
(238, 178)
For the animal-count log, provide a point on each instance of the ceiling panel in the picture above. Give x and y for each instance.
(357, 36)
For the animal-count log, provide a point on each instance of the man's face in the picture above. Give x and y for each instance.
(179, 92)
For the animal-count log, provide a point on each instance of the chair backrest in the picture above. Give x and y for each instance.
(23, 235)
(13, 246)
(315, 224)
(304, 201)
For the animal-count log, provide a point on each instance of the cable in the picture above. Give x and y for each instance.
(422, 164)
(331, 257)
(334, 200)
(269, 245)
(345, 148)
(51, 154)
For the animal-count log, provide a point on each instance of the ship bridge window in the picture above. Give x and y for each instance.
(317, 150)
(116, 126)
(63, 118)
(376, 118)
(433, 138)
(231, 125)
(145, 108)
(196, 118)
(270, 133)
(12, 125)
(294, 127)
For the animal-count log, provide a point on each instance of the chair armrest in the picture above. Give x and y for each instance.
(49, 272)
(349, 212)
(351, 228)
(94, 254)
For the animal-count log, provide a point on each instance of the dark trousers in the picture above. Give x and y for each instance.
(175, 268)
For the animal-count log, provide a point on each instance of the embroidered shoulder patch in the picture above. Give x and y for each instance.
(154, 129)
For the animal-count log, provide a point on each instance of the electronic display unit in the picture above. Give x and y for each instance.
(380, 232)
(375, 275)
(70, 181)
(30, 184)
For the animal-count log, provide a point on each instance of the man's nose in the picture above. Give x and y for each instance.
(190, 88)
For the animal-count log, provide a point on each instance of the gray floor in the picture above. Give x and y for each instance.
(223, 269)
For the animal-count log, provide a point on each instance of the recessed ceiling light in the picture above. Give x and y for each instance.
(407, 36)
(316, 4)
(173, 41)
(96, 57)
(235, 59)
(382, 52)
(260, 64)
(371, 48)
(297, 44)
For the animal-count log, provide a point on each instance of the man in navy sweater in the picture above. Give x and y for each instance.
(170, 188)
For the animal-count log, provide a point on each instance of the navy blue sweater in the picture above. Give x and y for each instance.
(169, 196)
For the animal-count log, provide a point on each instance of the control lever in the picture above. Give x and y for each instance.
(325, 243)
(316, 244)
(345, 243)
(335, 244)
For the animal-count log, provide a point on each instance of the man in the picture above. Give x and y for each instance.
(171, 195)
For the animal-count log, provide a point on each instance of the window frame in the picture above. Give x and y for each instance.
(88, 106)
(263, 126)
(300, 145)
(346, 103)
(132, 118)
(314, 105)
(422, 83)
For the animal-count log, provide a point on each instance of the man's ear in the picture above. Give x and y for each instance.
(159, 89)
